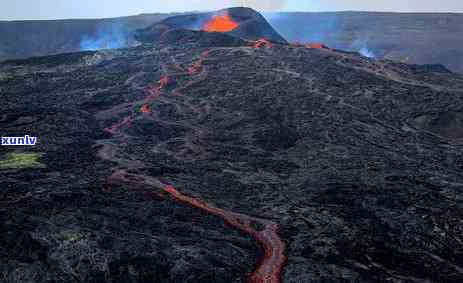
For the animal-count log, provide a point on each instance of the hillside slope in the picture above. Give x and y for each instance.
(190, 163)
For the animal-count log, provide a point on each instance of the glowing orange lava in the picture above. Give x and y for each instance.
(220, 23)
(315, 45)
(145, 109)
(262, 42)
(196, 65)
(153, 91)
(271, 265)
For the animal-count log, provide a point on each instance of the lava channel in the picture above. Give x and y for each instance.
(270, 266)
(197, 65)
(153, 92)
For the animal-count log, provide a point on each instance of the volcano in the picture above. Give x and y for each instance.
(241, 23)
(210, 157)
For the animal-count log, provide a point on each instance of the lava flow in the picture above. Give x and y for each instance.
(196, 65)
(262, 42)
(271, 264)
(115, 128)
(315, 45)
(269, 268)
(220, 23)
(145, 109)
(153, 91)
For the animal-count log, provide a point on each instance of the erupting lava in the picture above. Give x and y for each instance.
(220, 23)
(262, 42)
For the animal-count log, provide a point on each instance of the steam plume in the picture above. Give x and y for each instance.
(107, 36)
(260, 5)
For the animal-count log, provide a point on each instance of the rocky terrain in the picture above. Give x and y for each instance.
(204, 157)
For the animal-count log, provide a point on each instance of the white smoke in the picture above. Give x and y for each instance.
(260, 5)
(367, 52)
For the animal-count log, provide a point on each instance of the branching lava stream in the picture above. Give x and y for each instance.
(270, 265)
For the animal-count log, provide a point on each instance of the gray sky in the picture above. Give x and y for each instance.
(62, 9)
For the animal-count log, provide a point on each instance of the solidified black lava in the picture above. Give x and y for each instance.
(358, 161)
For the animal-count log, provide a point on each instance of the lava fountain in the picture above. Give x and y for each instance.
(220, 23)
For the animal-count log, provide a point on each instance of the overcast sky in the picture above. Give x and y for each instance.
(63, 9)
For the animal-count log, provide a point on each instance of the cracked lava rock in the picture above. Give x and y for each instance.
(184, 162)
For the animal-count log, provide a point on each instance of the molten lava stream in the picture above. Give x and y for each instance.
(115, 128)
(220, 23)
(262, 42)
(144, 109)
(315, 45)
(271, 265)
(196, 65)
(153, 91)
